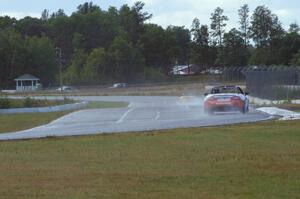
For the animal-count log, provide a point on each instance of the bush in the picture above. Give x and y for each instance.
(4, 103)
(28, 102)
(67, 100)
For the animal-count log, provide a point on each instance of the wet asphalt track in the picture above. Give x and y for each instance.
(143, 114)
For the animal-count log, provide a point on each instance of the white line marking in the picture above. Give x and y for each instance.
(124, 116)
(157, 115)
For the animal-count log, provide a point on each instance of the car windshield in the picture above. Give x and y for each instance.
(225, 90)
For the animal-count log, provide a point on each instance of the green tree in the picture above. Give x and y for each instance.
(94, 29)
(96, 67)
(244, 22)
(128, 61)
(296, 59)
(30, 26)
(45, 15)
(41, 59)
(200, 44)
(78, 41)
(294, 27)
(132, 20)
(59, 13)
(268, 36)
(265, 26)
(181, 46)
(156, 47)
(218, 23)
(117, 44)
(87, 7)
(12, 56)
(200, 33)
(235, 51)
(61, 33)
(73, 74)
(289, 47)
(7, 22)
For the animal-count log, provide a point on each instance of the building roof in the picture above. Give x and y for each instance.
(180, 67)
(26, 77)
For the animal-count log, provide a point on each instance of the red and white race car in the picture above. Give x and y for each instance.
(226, 98)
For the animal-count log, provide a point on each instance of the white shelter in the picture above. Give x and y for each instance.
(27, 82)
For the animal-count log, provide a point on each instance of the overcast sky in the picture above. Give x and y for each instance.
(165, 12)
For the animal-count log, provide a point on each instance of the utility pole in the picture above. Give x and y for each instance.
(59, 55)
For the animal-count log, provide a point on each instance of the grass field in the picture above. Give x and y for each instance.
(102, 104)
(256, 161)
(292, 107)
(21, 121)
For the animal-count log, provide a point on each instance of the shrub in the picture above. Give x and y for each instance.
(4, 103)
(67, 100)
(45, 102)
(28, 102)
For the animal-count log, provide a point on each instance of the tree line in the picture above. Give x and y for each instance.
(104, 46)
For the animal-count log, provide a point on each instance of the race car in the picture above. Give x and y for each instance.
(226, 98)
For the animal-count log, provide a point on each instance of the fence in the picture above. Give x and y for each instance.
(233, 73)
(273, 82)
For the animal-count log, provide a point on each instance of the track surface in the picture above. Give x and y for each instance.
(143, 114)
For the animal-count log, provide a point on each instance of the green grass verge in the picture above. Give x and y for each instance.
(245, 161)
(292, 107)
(103, 104)
(21, 121)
